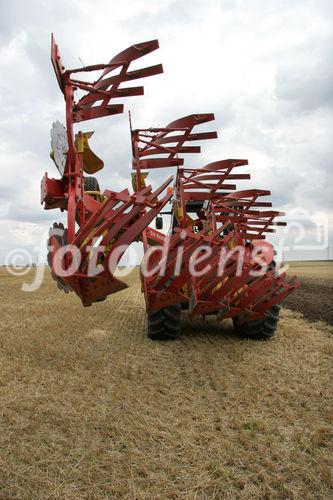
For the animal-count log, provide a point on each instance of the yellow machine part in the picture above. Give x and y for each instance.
(231, 244)
(179, 214)
(91, 162)
(177, 210)
(97, 196)
(142, 181)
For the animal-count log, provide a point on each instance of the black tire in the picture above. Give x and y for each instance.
(159, 222)
(260, 329)
(60, 233)
(91, 184)
(165, 323)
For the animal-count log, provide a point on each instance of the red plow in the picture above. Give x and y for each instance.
(214, 260)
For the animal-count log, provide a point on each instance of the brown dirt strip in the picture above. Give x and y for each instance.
(314, 299)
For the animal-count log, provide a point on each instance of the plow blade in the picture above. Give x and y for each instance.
(228, 279)
(240, 294)
(216, 262)
(91, 162)
(88, 265)
(172, 266)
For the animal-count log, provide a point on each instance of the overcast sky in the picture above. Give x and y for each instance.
(263, 67)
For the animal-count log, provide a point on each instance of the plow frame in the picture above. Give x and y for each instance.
(116, 219)
(226, 220)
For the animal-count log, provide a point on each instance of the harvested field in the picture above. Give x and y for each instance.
(92, 409)
(313, 269)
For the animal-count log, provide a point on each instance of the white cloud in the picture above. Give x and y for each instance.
(262, 66)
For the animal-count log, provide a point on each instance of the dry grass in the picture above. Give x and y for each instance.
(91, 409)
(313, 269)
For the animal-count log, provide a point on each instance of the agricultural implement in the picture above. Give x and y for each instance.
(214, 259)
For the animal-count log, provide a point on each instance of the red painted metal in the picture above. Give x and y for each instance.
(120, 218)
(229, 219)
(227, 222)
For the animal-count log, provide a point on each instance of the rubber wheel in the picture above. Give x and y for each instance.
(165, 323)
(91, 184)
(61, 235)
(159, 223)
(260, 329)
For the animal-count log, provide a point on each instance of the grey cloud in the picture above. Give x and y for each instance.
(34, 17)
(25, 213)
(168, 16)
(250, 122)
(306, 82)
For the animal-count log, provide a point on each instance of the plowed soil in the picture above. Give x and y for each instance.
(314, 299)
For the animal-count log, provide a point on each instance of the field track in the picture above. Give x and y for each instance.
(90, 408)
